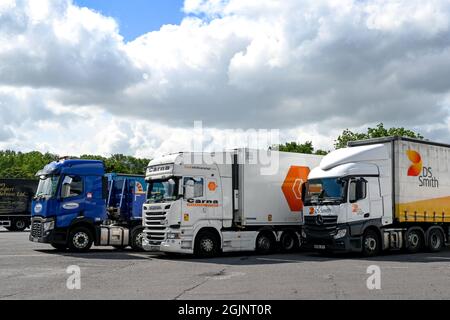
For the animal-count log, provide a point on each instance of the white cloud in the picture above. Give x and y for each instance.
(70, 84)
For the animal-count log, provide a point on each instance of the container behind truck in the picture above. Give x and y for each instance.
(15, 203)
(206, 207)
(78, 205)
(381, 194)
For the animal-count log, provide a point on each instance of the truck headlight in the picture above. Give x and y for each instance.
(340, 234)
(172, 236)
(50, 225)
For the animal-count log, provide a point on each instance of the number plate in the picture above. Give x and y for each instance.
(320, 247)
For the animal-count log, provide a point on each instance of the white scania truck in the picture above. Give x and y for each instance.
(207, 203)
(380, 194)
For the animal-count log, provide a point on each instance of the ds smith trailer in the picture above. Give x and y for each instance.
(380, 194)
(78, 205)
(205, 208)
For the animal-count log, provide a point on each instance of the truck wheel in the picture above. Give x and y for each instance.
(414, 241)
(19, 225)
(80, 239)
(265, 243)
(435, 241)
(206, 245)
(59, 247)
(371, 244)
(289, 242)
(137, 235)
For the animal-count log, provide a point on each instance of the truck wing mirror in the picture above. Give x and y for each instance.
(357, 190)
(304, 191)
(105, 192)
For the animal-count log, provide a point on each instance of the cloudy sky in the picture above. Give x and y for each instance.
(86, 76)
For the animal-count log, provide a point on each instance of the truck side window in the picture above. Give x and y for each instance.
(196, 184)
(72, 187)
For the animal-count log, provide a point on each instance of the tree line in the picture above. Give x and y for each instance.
(25, 165)
(347, 136)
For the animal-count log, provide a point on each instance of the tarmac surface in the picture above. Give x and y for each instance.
(36, 271)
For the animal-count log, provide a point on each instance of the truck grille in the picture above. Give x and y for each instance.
(37, 229)
(320, 225)
(154, 223)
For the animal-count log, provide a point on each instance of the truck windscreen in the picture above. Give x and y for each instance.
(330, 191)
(47, 186)
(162, 190)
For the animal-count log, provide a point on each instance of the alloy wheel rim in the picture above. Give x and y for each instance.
(139, 239)
(413, 240)
(435, 241)
(20, 224)
(80, 240)
(371, 244)
(207, 245)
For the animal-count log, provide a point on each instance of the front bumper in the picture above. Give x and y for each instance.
(147, 246)
(177, 246)
(325, 241)
(39, 235)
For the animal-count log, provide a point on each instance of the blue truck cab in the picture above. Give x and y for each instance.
(77, 205)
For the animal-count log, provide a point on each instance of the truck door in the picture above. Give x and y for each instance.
(358, 196)
(71, 200)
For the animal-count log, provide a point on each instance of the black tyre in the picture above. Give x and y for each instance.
(265, 243)
(289, 242)
(206, 245)
(371, 244)
(414, 241)
(80, 239)
(137, 235)
(435, 240)
(59, 247)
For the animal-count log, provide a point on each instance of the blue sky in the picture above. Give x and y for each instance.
(137, 17)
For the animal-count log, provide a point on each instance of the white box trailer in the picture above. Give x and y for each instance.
(242, 200)
(379, 194)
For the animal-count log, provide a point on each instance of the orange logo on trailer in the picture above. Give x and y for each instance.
(212, 186)
(292, 187)
(417, 165)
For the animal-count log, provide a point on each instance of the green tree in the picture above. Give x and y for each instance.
(306, 148)
(26, 165)
(378, 132)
